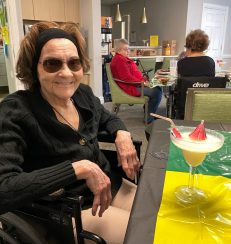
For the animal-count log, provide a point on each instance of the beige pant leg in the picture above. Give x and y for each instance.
(125, 196)
(112, 226)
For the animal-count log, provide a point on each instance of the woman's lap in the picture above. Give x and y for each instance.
(153, 92)
(112, 226)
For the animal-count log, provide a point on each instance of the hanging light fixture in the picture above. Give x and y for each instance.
(118, 17)
(144, 17)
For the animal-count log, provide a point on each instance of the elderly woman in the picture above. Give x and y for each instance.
(125, 69)
(48, 134)
(196, 63)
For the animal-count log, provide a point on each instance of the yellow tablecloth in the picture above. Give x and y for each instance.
(208, 222)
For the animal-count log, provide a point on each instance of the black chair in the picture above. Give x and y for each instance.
(182, 85)
(54, 212)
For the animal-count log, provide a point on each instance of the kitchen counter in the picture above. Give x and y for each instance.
(157, 58)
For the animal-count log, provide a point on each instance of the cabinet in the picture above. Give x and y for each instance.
(27, 9)
(41, 10)
(72, 10)
(106, 35)
(52, 10)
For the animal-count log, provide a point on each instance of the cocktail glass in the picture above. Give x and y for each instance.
(194, 153)
(145, 41)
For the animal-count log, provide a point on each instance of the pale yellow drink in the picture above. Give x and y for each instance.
(194, 158)
(194, 152)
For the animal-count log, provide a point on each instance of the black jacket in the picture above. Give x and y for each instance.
(196, 66)
(36, 150)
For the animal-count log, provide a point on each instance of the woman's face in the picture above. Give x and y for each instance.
(124, 50)
(59, 84)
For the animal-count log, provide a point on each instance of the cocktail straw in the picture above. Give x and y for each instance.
(164, 118)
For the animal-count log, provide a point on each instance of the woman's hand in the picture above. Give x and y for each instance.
(97, 181)
(146, 83)
(126, 152)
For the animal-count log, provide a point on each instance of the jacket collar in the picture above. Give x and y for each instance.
(123, 57)
(83, 105)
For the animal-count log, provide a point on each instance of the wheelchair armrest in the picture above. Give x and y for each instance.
(141, 83)
(129, 82)
(61, 211)
(104, 136)
(147, 71)
(76, 203)
(93, 237)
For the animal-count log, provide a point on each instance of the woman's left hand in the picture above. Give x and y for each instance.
(126, 152)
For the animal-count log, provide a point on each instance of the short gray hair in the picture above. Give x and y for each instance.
(118, 43)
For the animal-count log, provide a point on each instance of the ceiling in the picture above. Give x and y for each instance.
(110, 2)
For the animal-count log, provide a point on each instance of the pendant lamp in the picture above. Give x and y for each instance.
(144, 17)
(118, 15)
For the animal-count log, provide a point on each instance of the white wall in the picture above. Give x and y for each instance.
(194, 15)
(90, 19)
(227, 47)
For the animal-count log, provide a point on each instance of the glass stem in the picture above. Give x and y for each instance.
(192, 171)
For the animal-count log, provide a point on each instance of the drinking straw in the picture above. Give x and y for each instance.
(175, 131)
(164, 118)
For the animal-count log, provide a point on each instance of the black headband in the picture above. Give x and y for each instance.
(43, 38)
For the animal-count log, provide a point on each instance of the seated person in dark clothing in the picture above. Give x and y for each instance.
(48, 135)
(124, 68)
(196, 63)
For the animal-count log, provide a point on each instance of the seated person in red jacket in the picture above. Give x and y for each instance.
(124, 68)
(196, 63)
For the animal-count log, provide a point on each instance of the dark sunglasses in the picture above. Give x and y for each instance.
(52, 65)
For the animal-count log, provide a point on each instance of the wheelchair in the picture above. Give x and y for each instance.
(145, 72)
(179, 93)
(55, 213)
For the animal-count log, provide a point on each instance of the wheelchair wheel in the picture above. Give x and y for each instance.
(15, 230)
(116, 108)
(6, 238)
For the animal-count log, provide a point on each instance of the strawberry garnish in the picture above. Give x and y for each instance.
(176, 132)
(199, 133)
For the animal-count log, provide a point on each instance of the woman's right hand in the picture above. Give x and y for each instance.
(97, 181)
(146, 84)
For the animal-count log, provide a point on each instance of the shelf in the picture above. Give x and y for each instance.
(106, 30)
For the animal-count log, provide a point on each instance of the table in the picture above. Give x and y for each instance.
(168, 91)
(142, 220)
